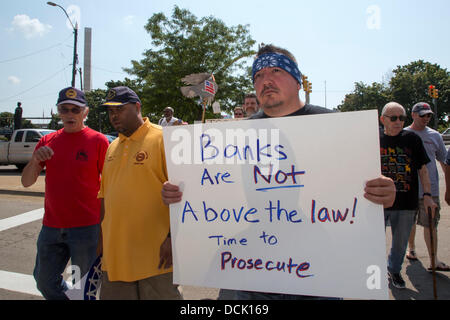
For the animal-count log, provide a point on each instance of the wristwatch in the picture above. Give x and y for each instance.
(426, 194)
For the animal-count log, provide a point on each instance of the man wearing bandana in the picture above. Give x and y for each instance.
(277, 82)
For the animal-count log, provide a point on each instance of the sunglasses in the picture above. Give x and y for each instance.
(394, 118)
(64, 110)
(428, 115)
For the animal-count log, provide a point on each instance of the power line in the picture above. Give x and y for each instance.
(106, 70)
(30, 54)
(33, 53)
(29, 89)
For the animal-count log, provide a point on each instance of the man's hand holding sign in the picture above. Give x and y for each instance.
(290, 205)
(279, 215)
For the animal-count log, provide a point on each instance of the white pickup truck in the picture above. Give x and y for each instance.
(19, 150)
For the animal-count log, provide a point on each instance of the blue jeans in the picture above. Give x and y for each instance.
(54, 249)
(401, 224)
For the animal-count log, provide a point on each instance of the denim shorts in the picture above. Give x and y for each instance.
(422, 215)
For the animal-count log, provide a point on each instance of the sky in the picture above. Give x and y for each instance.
(336, 43)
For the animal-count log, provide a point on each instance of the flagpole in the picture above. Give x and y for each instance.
(204, 110)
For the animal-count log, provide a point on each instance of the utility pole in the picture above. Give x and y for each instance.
(435, 114)
(75, 55)
(81, 79)
(75, 33)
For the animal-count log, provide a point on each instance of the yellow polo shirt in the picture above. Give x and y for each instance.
(136, 220)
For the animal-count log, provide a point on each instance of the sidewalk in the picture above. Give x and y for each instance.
(10, 183)
(419, 282)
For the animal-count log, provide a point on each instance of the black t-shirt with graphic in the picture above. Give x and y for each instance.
(401, 158)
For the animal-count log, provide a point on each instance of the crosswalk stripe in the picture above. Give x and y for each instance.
(18, 282)
(20, 219)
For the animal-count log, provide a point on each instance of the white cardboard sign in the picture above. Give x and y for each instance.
(277, 205)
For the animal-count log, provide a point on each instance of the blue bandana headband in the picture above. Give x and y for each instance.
(276, 60)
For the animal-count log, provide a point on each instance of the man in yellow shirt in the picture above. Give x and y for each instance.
(137, 251)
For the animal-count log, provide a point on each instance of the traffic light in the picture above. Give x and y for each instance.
(305, 82)
(435, 93)
(431, 90)
(308, 87)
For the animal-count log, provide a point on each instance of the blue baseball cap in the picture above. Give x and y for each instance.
(120, 96)
(72, 96)
(422, 108)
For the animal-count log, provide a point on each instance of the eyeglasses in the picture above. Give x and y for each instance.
(64, 110)
(428, 115)
(394, 118)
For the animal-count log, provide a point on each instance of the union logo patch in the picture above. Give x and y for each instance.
(111, 94)
(71, 94)
(140, 157)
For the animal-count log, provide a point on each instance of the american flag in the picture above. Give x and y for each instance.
(209, 87)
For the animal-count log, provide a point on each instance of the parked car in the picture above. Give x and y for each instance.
(19, 150)
(446, 136)
(110, 138)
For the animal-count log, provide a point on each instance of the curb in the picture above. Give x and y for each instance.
(22, 193)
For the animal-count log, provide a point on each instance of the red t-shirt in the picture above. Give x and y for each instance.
(72, 178)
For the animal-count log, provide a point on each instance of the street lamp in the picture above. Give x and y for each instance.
(75, 32)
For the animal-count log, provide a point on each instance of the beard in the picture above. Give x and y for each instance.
(272, 104)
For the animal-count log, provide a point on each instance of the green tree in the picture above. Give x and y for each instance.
(54, 122)
(410, 83)
(184, 45)
(407, 86)
(366, 97)
(27, 124)
(6, 119)
(97, 118)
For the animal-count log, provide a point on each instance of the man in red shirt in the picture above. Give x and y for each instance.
(73, 158)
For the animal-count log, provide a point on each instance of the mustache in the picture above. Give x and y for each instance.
(268, 87)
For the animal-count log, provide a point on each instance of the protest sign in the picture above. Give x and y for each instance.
(277, 205)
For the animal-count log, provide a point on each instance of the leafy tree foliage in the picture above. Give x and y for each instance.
(183, 45)
(366, 97)
(54, 123)
(97, 118)
(408, 85)
(7, 120)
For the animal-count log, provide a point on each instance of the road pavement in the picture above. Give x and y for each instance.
(17, 247)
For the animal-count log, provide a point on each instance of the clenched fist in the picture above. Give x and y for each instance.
(43, 154)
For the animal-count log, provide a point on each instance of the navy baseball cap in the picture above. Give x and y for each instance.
(72, 96)
(120, 96)
(422, 108)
